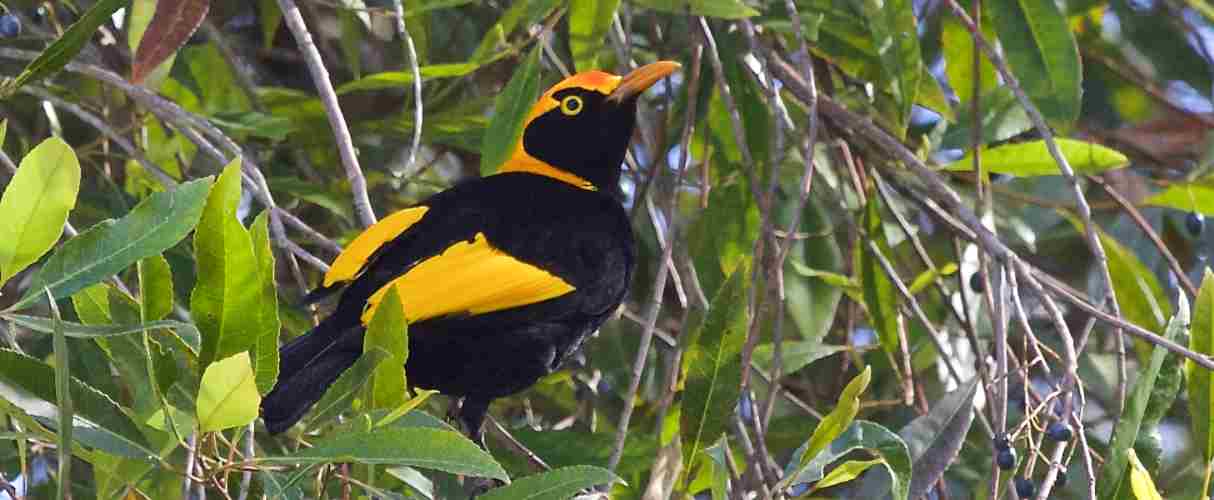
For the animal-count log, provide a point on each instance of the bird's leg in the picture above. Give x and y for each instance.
(472, 418)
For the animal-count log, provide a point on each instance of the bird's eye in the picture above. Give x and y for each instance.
(571, 105)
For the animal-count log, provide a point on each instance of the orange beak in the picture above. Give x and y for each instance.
(641, 79)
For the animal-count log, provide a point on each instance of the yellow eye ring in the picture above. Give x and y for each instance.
(571, 105)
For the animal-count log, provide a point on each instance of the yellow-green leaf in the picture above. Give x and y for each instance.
(1032, 159)
(227, 396)
(1200, 381)
(589, 21)
(388, 331)
(35, 205)
(1140, 480)
(845, 472)
(839, 418)
(155, 288)
(1190, 196)
(265, 324)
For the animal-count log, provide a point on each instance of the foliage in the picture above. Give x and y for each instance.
(837, 305)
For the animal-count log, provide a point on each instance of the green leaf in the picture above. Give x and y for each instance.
(265, 325)
(845, 472)
(859, 435)
(724, 9)
(711, 366)
(1140, 296)
(426, 448)
(1200, 386)
(892, 28)
(838, 420)
(188, 334)
(929, 276)
(1188, 196)
(959, 50)
(589, 22)
(509, 111)
(556, 484)
(1032, 159)
(154, 225)
(228, 290)
(388, 331)
(1140, 480)
(155, 288)
(35, 205)
(723, 236)
(29, 384)
(228, 395)
(811, 302)
(1112, 479)
(64, 49)
(794, 355)
(63, 399)
(935, 439)
(402, 79)
(1041, 51)
(880, 298)
(346, 388)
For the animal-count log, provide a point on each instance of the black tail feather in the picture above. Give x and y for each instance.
(308, 365)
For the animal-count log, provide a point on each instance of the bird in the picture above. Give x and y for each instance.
(501, 277)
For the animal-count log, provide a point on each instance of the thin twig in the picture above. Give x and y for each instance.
(414, 66)
(324, 88)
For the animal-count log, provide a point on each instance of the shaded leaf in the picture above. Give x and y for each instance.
(859, 435)
(171, 27)
(64, 49)
(794, 355)
(339, 396)
(556, 484)
(935, 439)
(434, 449)
(509, 111)
(35, 205)
(187, 332)
(1031, 159)
(880, 298)
(1112, 482)
(711, 366)
(155, 224)
(959, 51)
(812, 302)
(1041, 51)
(893, 30)
(29, 384)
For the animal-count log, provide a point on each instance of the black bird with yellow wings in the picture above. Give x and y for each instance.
(501, 277)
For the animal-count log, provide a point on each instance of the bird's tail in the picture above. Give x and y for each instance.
(308, 365)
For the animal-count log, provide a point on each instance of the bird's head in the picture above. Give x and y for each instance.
(579, 129)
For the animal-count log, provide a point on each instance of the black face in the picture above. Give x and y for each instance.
(585, 135)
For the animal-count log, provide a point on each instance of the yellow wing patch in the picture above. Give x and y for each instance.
(472, 278)
(351, 261)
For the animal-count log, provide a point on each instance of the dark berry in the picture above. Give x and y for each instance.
(1058, 431)
(1025, 488)
(10, 26)
(1001, 443)
(746, 407)
(1195, 222)
(976, 283)
(1006, 458)
(1060, 481)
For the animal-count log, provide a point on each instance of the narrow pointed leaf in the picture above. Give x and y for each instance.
(35, 205)
(880, 298)
(868, 436)
(389, 332)
(839, 419)
(155, 288)
(1041, 50)
(892, 29)
(509, 111)
(712, 368)
(155, 224)
(556, 484)
(265, 325)
(434, 449)
(724, 9)
(1200, 382)
(1187, 196)
(1140, 480)
(64, 49)
(185, 331)
(935, 439)
(1032, 159)
(172, 25)
(1112, 481)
